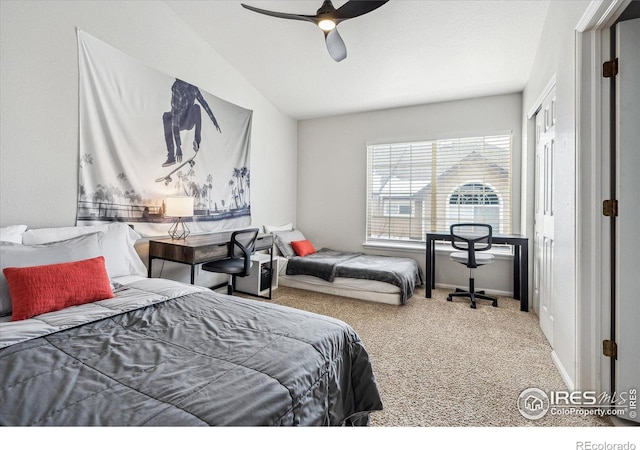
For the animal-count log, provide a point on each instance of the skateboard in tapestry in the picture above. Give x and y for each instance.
(167, 177)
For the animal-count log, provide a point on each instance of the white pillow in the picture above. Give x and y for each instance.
(12, 233)
(119, 253)
(283, 241)
(14, 255)
(272, 228)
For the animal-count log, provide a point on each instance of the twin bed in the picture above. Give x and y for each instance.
(382, 279)
(159, 352)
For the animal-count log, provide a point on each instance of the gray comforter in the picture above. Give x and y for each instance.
(198, 359)
(329, 264)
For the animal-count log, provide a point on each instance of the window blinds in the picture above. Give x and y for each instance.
(416, 187)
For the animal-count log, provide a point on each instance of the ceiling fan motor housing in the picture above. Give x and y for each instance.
(326, 8)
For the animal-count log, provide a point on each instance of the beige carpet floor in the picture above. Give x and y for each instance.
(443, 364)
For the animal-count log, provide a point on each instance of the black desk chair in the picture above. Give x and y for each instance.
(238, 263)
(471, 238)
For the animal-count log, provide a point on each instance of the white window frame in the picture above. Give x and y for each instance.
(505, 215)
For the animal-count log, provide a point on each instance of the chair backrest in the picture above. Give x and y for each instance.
(242, 246)
(471, 237)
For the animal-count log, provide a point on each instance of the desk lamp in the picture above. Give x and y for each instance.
(179, 207)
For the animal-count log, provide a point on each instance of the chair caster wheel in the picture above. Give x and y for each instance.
(449, 299)
(473, 306)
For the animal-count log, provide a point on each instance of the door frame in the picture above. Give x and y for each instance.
(593, 165)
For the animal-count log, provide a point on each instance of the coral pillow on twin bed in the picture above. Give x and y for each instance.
(303, 248)
(40, 289)
(283, 241)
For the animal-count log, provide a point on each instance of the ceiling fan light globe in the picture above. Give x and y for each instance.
(326, 24)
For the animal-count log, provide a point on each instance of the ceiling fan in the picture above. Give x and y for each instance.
(327, 19)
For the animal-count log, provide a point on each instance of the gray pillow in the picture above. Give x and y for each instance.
(12, 233)
(283, 241)
(16, 255)
(118, 249)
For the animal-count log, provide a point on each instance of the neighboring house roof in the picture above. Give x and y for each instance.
(396, 187)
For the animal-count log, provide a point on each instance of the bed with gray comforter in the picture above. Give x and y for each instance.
(170, 354)
(328, 264)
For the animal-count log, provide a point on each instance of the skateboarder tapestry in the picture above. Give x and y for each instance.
(146, 136)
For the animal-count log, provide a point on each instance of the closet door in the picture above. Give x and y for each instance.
(544, 220)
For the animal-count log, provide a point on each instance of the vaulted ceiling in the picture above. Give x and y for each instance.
(406, 52)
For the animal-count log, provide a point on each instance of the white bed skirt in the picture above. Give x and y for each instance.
(369, 290)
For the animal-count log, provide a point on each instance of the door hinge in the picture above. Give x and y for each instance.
(610, 208)
(610, 68)
(610, 349)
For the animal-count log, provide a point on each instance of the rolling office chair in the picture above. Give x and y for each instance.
(238, 263)
(471, 238)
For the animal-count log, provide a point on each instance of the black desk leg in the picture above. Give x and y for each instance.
(430, 275)
(270, 272)
(193, 274)
(517, 275)
(524, 274)
(149, 269)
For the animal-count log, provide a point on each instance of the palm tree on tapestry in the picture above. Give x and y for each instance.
(134, 198)
(209, 188)
(242, 180)
(234, 192)
(115, 193)
(102, 195)
(196, 193)
(122, 179)
(248, 185)
(86, 159)
(185, 182)
(244, 176)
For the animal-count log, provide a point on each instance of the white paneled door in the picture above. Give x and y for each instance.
(543, 229)
(627, 276)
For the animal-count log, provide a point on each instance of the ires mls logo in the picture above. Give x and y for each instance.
(534, 403)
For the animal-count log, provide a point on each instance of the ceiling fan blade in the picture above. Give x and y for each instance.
(357, 8)
(335, 45)
(280, 15)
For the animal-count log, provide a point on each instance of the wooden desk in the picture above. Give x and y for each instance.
(200, 248)
(520, 263)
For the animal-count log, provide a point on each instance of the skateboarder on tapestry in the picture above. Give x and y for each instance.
(184, 115)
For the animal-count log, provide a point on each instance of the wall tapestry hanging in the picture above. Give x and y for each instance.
(146, 136)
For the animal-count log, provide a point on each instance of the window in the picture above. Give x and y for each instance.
(474, 202)
(415, 187)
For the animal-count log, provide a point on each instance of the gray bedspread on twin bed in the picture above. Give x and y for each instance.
(329, 264)
(198, 359)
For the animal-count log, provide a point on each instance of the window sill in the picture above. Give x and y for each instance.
(416, 247)
(499, 251)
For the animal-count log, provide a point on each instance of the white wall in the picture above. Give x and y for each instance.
(556, 58)
(39, 103)
(332, 172)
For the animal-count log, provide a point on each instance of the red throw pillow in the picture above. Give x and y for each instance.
(40, 289)
(303, 248)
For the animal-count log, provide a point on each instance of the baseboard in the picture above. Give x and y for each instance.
(452, 288)
(563, 373)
